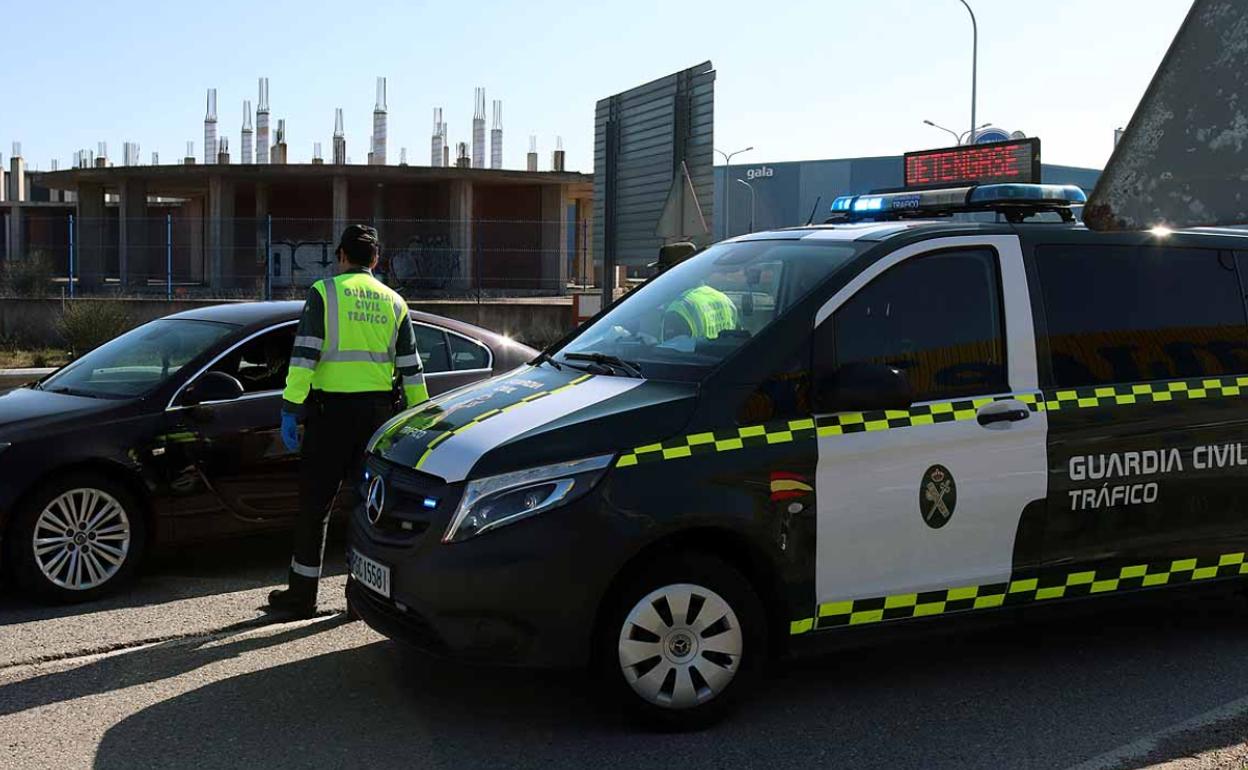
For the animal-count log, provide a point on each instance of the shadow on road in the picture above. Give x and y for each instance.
(1030, 695)
(164, 660)
(186, 572)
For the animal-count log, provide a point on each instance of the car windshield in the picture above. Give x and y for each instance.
(137, 361)
(686, 321)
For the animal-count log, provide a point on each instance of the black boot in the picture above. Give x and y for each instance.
(299, 600)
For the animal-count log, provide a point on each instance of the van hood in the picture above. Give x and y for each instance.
(532, 416)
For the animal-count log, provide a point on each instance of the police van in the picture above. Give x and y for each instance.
(890, 421)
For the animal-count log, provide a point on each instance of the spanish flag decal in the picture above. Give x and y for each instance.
(787, 486)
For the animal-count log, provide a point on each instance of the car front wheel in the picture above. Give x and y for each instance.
(686, 642)
(76, 539)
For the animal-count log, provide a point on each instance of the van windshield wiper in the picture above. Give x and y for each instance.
(630, 368)
(545, 358)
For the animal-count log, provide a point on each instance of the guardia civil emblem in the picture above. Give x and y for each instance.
(938, 495)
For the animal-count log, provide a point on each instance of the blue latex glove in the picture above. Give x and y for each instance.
(290, 431)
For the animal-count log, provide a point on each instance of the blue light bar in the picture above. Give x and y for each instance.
(430, 502)
(955, 199)
(1062, 194)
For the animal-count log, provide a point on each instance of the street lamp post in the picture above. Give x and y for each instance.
(974, 62)
(959, 138)
(750, 187)
(728, 190)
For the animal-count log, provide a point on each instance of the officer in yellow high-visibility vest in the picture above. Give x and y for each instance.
(354, 338)
(701, 313)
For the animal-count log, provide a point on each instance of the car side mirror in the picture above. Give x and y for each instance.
(863, 387)
(213, 386)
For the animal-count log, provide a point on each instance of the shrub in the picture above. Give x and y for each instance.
(29, 277)
(87, 324)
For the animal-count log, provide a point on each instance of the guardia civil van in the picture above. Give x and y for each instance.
(892, 420)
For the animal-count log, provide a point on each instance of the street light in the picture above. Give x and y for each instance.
(956, 136)
(751, 189)
(727, 190)
(974, 61)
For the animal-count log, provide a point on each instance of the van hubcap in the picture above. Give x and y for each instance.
(680, 646)
(81, 539)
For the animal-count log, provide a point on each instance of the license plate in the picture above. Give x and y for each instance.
(372, 574)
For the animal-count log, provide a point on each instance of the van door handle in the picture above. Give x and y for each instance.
(1002, 411)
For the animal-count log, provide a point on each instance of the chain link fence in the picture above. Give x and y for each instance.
(187, 257)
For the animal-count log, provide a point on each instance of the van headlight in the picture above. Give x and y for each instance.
(496, 501)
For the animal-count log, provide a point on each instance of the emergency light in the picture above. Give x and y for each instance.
(1020, 199)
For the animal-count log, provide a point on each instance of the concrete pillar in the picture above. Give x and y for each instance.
(17, 179)
(222, 270)
(4, 186)
(89, 240)
(554, 240)
(15, 243)
(136, 252)
(339, 208)
(461, 230)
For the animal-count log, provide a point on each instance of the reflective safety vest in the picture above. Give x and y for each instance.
(354, 334)
(707, 311)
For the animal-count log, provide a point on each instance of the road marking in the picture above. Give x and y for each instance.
(1149, 743)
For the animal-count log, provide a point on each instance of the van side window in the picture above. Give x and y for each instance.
(937, 318)
(1130, 314)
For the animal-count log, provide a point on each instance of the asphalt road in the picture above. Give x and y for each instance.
(185, 671)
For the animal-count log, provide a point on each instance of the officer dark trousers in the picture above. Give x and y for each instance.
(337, 427)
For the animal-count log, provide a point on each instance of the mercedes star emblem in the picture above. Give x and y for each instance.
(376, 499)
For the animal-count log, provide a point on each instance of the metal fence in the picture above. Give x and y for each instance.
(179, 256)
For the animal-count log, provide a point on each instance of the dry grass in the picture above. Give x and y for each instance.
(34, 358)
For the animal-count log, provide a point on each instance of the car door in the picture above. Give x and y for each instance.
(922, 511)
(235, 445)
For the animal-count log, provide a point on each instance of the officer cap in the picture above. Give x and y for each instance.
(354, 234)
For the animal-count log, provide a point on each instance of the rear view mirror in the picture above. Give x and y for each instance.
(864, 387)
(213, 386)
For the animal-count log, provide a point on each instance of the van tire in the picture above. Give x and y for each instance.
(676, 673)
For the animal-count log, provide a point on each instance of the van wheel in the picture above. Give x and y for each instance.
(76, 539)
(685, 642)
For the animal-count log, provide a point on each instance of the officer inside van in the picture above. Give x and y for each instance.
(700, 313)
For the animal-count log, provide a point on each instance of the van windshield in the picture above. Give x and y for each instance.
(689, 319)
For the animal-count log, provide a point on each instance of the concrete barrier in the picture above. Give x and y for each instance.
(536, 321)
(15, 378)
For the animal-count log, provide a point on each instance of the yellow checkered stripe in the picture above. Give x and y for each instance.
(857, 612)
(809, 428)
(931, 414)
(1147, 393)
(494, 413)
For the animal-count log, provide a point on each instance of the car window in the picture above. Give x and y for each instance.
(139, 360)
(1132, 314)
(431, 344)
(937, 318)
(260, 364)
(467, 354)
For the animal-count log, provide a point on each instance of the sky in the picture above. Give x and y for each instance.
(796, 80)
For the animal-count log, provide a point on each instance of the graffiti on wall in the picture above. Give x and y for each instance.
(420, 263)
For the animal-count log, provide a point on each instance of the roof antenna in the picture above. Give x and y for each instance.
(813, 209)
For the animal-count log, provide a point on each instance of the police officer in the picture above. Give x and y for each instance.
(353, 337)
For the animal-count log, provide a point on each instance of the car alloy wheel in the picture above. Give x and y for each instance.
(81, 539)
(680, 646)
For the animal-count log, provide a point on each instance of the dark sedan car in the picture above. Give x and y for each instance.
(169, 434)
